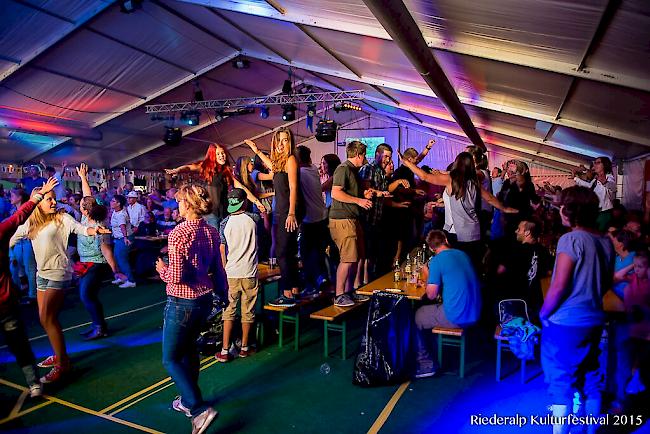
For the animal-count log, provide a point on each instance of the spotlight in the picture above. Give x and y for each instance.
(173, 136)
(289, 112)
(129, 6)
(264, 112)
(190, 117)
(345, 106)
(241, 63)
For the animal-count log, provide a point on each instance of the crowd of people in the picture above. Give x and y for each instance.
(494, 235)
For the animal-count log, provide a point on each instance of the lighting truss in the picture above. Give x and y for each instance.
(233, 103)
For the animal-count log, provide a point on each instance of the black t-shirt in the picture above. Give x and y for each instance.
(347, 177)
(218, 189)
(526, 265)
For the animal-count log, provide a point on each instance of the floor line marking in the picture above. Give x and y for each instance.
(89, 323)
(19, 403)
(140, 392)
(132, 403)
(85, 410)
(24, 412)
(385, 413)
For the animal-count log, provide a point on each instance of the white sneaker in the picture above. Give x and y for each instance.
(117, 281)
(201, 422)
(128, 284)
(35, 390)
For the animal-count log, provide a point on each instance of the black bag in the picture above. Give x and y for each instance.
(387, 351)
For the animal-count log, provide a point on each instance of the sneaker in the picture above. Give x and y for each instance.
(310, 293)
(50, 362)
(96, 333)
(426, 368)
(635, 385)
(283, 301)
(128, 284)
(117, 281)
(343, 300)
(201, 422)
(87, 332)
(358, 298)
(55, 374)
(35, 390)
(246, 353)
(223, 358)
(177, 405)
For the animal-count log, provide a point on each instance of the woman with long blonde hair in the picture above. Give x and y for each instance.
(217, 174)
(287, 212)
(49, 230)
(194, 273)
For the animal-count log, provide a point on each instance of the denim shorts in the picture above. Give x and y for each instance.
(43, 284)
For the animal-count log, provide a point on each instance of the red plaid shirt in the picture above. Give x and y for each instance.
(193, 256)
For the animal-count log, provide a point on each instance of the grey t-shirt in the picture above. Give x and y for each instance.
(346, 176)
(593, 256)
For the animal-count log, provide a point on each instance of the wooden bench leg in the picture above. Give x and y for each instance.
(281, 326)
(498, 360)
(440, 338)
(462, 356)
(296, 332)
(326, 347)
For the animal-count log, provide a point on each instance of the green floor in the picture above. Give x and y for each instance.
(276, 391)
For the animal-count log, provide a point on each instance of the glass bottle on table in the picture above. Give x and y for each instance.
(397, 272)
(408, 266)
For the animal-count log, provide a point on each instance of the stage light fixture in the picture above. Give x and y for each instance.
(345, 106)
(241, 63)
(288, 112)
(190, 117)
(198, 93)
(326, 130)
(264, 112)
(173, 136)
(287, 87)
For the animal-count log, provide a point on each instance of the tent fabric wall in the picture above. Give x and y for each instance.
(633, 180)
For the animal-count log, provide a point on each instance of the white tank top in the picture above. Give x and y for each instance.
(449, 220)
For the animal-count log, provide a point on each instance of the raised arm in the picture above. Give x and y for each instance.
(9, 225)
(291, 223)
(435, 178)
(82, 171)
(425, 151)
(265, 159)
(194, 167)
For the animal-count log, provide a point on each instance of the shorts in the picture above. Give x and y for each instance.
(42, 284)
(348, 237)
(245, 289)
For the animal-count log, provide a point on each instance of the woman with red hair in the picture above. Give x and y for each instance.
(216, 172)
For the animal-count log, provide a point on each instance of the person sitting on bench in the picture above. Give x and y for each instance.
(451, 276)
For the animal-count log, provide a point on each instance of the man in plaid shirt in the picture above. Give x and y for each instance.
(373, 176)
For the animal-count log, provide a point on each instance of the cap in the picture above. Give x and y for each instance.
(132, 194)
(236, 199)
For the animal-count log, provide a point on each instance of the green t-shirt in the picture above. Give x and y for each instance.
(346, 176)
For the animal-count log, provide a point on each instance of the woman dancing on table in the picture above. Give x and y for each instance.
(194, 272)
(287, 211)
(15, 335)
(214, 170)
(49, 230)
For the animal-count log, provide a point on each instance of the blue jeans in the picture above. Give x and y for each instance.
(183, 320)
(89, 285)
(22, 258)
(122, 257)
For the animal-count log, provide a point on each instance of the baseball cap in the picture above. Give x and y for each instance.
(132, 194)
(236, 199)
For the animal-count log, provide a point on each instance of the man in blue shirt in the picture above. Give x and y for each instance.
(33, 179)
(451, 277)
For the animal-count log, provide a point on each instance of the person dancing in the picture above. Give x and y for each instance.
(194, 272)
(214, 170)
(286, 217)
(10, 322)
(49, 230)
(96, 255)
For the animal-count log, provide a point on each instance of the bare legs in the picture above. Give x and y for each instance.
(50, 302)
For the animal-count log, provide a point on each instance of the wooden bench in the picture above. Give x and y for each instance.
(291, 315)
(452, 337)
(330, 314)
(503, 344)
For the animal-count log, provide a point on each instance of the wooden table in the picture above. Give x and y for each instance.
(611, 302)
(410, 290)
(264, 272)
(151, 238)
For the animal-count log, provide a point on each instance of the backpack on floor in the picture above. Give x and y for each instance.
(387, 351)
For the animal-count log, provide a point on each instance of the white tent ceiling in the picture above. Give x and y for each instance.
(559, 81)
